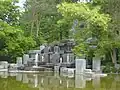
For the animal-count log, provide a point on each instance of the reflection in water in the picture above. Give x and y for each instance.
(25, 78)
(19, 77)
(12, 74)
(3, 74)
(36, 80)
(96, 81)
(80, 81)
(45, 81)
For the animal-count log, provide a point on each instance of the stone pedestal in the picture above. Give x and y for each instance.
(46, 59)
(25, 58)
(32, 55)
(88, 73)
(80, 66)
(19, 61)
(41, 57)
(3, 65)
(36, 59)
(56, 49)
(64, 58)
(96, 64)
(68, 58)
(55, 58)
(46, 50)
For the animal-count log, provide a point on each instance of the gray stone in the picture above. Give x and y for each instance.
(46, 50)
(96, 64)
(88, 73)
(19, 61)
(46, 57)
(34, 51)
(32, 55)
(71, 57)
(64, 57)
(36, 59)
(25, 58)
(68, 58)
(51, 57)
(80, 66)
(13, 66)
(56, 49)
(71, 71)
(41, 58)
(3, 65)
(55, 58)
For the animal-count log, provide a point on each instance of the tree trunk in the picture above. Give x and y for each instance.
(37, 26)
(32, 24)
(113, 56)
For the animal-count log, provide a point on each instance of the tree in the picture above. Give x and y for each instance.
(111, 45)
(35, 10)
(13, 41)
(91, 24)
(40, 20)
(9, 12)
(112, 8)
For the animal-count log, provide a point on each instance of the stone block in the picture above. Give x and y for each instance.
(96, 64)
(80, 66)
(19, 61)
(25, 58)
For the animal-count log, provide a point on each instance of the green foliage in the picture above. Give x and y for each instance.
(39, 20)
(45, 13)
(94, 25)
(14, 43)
(110, 69)
(9, 12)
(112, 7)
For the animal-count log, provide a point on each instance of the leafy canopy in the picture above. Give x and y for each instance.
(91, 24)
(13, 41)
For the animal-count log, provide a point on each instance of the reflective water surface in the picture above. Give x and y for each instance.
(54, 81)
